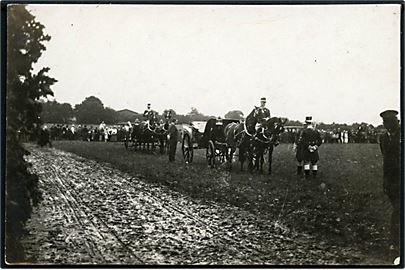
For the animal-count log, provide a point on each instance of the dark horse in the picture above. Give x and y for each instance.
(250, 142)
(161, 130)
(265, 139)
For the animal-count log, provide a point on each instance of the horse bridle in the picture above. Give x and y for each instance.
(269, 139)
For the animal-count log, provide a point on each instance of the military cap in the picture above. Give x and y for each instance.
(308, 119)
(263, 99)
(389, 114)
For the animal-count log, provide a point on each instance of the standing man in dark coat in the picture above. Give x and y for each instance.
(390, 144)
(308, 143)
(173, 137)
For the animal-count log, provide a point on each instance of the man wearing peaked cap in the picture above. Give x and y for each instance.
(147, 111)
(390, 145)
(307, 144)
(263, 113)
(266, 112)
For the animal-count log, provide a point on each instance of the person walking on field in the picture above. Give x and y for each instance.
(307, 146)
(173, 137)
(390, 145)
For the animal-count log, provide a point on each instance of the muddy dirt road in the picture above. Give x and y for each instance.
(95, 214)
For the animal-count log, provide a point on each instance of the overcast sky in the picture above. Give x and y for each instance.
(338, 63)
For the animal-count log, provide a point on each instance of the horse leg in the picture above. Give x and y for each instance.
(261, 162)
(241, 159)
(231, 152)
(250, 162)
(270, 157)
(257, 162)
(256, 159)
(161, 147)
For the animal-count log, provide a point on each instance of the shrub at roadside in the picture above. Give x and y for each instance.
(25, 39)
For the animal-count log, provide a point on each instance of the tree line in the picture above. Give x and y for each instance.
(92, 111)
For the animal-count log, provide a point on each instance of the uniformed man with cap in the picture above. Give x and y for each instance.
(264, 113)
(390, 145)
(147, 111)
(307, 144)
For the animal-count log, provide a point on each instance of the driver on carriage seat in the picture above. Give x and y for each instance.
(147, 112)
(264, 112)
(148, 115)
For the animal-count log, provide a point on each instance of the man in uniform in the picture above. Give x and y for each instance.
(308, 142)
(147, 112)
(173, 137)
(390, 149)
(264, 113)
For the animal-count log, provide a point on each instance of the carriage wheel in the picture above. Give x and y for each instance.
(187, 149)
(211, 154)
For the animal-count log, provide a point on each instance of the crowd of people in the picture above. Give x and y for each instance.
(343, 136)
(95, 133)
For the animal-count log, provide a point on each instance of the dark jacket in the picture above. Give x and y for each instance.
(173, 133)
(308, 137)
(390, 146)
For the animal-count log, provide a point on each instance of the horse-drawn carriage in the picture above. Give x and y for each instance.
(222, 137)
(149, 133)
(208, 135)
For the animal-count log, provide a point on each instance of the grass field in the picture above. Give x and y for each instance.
(351, 209)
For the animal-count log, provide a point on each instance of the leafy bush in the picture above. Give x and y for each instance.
(24, 47)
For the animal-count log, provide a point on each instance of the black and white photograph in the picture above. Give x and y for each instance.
(200, 135)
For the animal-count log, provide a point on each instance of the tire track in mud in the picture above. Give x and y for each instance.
(74, 202)
(123, 220)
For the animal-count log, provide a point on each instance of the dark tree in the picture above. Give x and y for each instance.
(195, 115)
(90, 111)
(293, 123)
(173, 113)
(235, 114)
(169, 111)
(25, 40)
(54, 112)
(110, 116)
